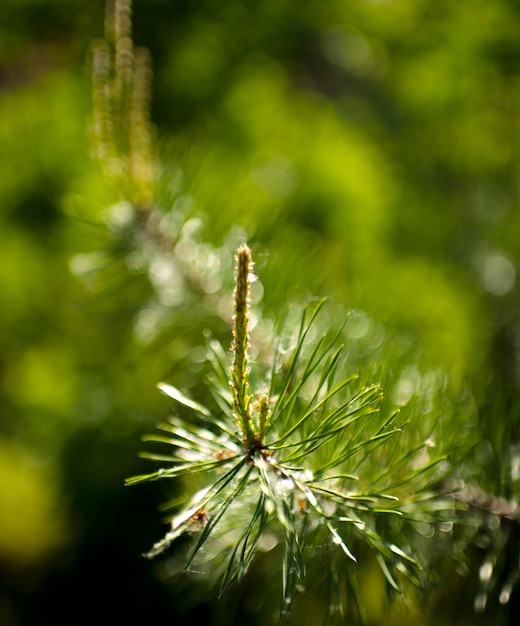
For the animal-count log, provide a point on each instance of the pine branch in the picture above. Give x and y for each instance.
(483, 501)
(316, 455)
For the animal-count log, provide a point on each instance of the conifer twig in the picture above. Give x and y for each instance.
(308, 466)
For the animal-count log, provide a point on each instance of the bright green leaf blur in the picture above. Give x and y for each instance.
(367, 150)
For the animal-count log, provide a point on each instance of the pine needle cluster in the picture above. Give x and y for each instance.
(300, 452)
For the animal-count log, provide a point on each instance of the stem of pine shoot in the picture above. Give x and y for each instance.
(240, 371)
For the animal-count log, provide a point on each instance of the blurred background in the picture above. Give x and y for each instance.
(368, 151)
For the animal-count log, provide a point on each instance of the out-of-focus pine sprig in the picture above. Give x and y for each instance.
(123, 136)
(304, 453)
(148, 241)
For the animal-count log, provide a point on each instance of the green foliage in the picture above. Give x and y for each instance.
(367, 152)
